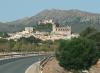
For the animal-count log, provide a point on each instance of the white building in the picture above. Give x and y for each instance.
(29, 29)
(46, 21)
(26, 33)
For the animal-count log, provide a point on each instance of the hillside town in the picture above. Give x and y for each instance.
(50, 36)
(56, 33)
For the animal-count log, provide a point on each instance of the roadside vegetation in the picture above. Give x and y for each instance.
(81, 53)
(27, 45)
(4, 34)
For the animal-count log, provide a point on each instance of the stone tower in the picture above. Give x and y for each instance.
(53, 28)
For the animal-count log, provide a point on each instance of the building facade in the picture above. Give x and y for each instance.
(61, 30)
(29, 29)
(46, 21)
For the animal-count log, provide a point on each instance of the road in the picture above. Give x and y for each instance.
(19, 66)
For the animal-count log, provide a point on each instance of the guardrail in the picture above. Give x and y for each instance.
(38, 66)
(44, 62)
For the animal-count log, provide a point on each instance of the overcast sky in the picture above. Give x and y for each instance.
(15, 9)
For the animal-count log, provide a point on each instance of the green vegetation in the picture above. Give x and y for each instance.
(26, 45)
(96, 38)
(80, 53)
(88, 31)
(3, 34)
(93, 34)
(44, 27)
(77, 54)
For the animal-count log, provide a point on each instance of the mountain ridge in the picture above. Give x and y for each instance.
(78, 19)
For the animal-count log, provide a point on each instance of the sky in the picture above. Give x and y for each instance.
(16, 9)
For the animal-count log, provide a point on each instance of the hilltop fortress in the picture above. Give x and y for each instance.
(61, 30)
(57, 32)
(56, 29)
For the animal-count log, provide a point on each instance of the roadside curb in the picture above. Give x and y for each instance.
(34, 68)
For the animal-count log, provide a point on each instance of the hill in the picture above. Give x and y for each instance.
(79, 20)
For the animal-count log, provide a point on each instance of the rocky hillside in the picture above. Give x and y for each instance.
(79, 20)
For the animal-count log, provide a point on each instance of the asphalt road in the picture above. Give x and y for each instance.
(19, 66)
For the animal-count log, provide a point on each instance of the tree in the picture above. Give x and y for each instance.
(77, 54)
(96, 38)
(30, 39)
(3, 45)
(93, 34)
(43, 27)
(4, 34)
(88, 31)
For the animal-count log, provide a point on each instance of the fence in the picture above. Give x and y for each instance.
(44, 62)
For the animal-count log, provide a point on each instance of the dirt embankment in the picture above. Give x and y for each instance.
(52, 66)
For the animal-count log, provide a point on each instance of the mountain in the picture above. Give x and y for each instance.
(77, 19)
